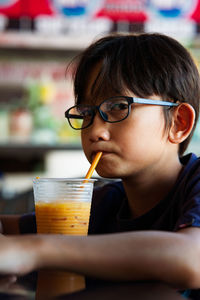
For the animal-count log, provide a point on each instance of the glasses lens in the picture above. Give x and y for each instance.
(115, 109)
(80, 116)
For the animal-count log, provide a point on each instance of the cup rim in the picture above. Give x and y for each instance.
(46, 179)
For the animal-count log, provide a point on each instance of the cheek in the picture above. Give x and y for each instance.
(143, 132)
(152, 123)
(82, 137)
(84, 142)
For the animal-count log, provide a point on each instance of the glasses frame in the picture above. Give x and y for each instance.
(130, 100)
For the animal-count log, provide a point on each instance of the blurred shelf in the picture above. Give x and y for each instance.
(31, 40)
(27, 149)
(15, 158)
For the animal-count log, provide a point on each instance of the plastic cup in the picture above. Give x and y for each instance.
(62, 206)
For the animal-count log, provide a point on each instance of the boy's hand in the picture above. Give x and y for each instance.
(17, 255)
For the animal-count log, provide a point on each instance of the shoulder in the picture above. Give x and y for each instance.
(191, 163)
(190, 174)
(187, 192)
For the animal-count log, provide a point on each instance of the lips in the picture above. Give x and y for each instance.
(105, 153)
(105, 148)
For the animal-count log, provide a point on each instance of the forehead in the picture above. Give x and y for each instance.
(91, 82)
(98, 87)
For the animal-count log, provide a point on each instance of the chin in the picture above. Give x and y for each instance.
(107, 174)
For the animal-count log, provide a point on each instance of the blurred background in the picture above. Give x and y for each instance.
(38, 38)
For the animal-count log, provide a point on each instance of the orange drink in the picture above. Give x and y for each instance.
(70, 217)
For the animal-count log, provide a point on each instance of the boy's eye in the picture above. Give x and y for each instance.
(85, 112)
(120, 106)
(116, 106)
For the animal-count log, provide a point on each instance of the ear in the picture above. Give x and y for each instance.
(182, 123)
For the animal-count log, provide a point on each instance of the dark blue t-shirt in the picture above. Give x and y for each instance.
(179, 209)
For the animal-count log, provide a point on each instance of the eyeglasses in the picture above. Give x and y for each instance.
(112, 110)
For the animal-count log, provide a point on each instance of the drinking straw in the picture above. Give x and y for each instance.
(93, 166)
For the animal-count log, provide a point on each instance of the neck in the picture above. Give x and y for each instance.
(146, 190)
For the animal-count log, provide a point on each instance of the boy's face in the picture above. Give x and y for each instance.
(130, 147)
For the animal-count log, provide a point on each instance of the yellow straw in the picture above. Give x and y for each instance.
(93, 166)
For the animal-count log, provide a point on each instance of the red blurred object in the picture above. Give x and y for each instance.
(196, 13)
(27, 8)
(124, 10)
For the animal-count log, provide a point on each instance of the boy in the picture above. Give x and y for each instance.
(137, 101)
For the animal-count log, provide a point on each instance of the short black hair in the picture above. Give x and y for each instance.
(146, 64)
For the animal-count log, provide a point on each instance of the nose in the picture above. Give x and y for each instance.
(99, 129)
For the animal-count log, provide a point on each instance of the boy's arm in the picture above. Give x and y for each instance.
(144, 255)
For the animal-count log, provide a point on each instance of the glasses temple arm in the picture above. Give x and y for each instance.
(153, 102)
(73, 116)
